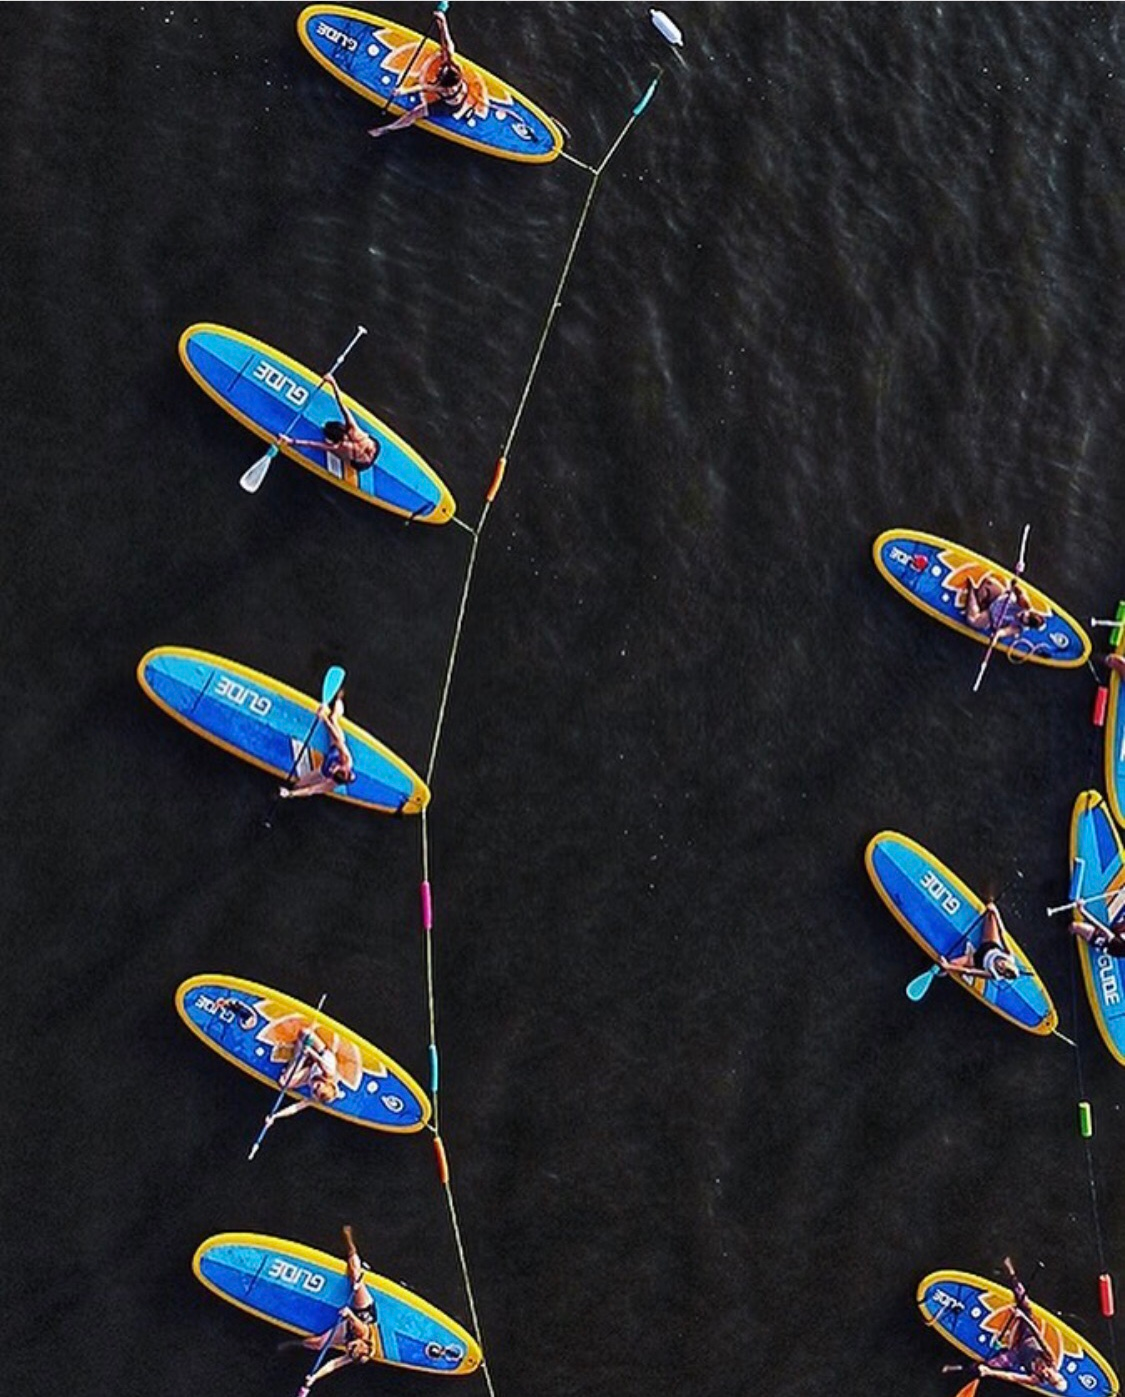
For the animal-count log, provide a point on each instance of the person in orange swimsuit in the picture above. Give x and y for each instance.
(446, 88)
(357, 1329)
(346, 440)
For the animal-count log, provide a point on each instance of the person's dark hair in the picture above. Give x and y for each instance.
(448, 77)
(1034, 621)
(334, 431)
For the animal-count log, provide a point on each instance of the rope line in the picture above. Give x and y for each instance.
(443, 703)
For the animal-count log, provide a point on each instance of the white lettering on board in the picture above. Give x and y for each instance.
(292, 1275)
(281, 383)
(899, 556)
(940, 893)
(241, 696)
(326, 31)
(1107, 974)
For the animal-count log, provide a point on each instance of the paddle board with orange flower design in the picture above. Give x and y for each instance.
(259, 1029)
(973, 1313)
(933, 574)
(381, 61)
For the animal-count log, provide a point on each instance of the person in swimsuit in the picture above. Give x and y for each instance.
(992, 959)
(1002, 612)
(337, 768)
(346, 440)
(1025, 1357)
(357, 1329)
(1108, 937)
(447, 87)
(316, 1068)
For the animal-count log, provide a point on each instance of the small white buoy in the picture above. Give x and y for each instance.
(666, 28)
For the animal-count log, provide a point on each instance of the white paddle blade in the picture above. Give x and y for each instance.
(253, 478)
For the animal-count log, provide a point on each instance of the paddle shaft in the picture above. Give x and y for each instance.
(1021, 563)
(286, 1077)
(252, 478)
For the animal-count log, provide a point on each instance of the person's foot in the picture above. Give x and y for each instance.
(376, 131)
(1115, 663)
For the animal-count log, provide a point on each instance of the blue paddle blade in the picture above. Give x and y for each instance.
(917, 988)
(333, 682)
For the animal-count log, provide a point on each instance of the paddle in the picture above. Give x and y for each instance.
(253, 478)
(439, 9)
(1020, 565)
(331, 686)
(919, 986)
(322, 1354)
(286, 1077)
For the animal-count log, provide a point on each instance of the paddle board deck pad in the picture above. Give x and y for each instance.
(299, 1288)
(265, 390)
(1115, 728)
(381, 61)
(933, 573)
(972, 1314)
(946, 918)
(1097, 866)
(267, 723)
(260, 1030)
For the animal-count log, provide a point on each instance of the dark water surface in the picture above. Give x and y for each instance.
(856, 266)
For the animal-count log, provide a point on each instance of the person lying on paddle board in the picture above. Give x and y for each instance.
(346, 440)
(992, 959)
(337, 768)
(999, 611)
(446, 87)
(1025, 1357)
(316, 1068)
(1102, 936)
(357, 1328)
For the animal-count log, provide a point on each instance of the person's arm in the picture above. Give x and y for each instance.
(341, 1361)
(348, 418)
(292, 1110)
(445, 39)
(294, 441)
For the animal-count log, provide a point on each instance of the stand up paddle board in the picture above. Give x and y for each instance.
(299, 1288)
(1097, 866)
(260, 1030)
(972, 1314)
(1115, 728)
(932, 573)
(946, 918)
(381, 61)
(267, 723)
(265, 389)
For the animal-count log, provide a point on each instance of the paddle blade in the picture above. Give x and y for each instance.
(917, 988)
(969, 1389)
(252, 479)
(333, 682)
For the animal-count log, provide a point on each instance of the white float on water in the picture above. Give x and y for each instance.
(665, 27)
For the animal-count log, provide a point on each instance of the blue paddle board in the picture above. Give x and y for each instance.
(932, 573)
(381, 61)
(302, 1289)
(946, 918)
(1097, 866)
(265, 390)
(259, 1030)
(267, 723)
(972, 1313)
